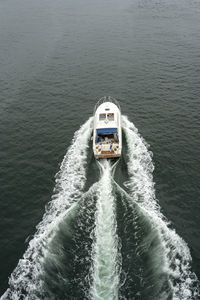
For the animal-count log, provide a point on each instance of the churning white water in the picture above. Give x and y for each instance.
(176, 255)
(105, 271)
(25, 280)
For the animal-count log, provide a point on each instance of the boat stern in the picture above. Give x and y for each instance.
(107, 136)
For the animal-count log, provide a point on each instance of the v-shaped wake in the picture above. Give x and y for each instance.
(167, 255)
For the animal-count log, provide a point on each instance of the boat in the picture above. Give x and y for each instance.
(107, 132)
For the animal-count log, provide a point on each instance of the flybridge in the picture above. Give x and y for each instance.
(107, 131)
(107, 137)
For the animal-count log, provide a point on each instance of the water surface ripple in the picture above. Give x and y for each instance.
(56, 59)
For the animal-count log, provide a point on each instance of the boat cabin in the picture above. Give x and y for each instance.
(107, 130)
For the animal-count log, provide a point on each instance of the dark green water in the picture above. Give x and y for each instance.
(56, 59)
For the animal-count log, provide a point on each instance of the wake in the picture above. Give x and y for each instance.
(176, 258)
(25, 281)
(106, 260)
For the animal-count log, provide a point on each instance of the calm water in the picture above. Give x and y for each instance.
(56, 59)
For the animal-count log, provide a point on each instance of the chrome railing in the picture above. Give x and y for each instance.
(106, 99)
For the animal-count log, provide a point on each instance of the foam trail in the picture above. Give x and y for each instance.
(176, 254)
(105, 271)
(25, 280)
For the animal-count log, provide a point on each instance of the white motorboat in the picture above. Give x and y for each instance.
(107, 134)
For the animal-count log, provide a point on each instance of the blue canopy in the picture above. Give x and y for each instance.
(103, 131)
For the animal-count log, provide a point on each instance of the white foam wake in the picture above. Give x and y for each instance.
(105, 271)
(176, 254)
(25, 280)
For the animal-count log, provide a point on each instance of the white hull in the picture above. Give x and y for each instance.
(107, 133)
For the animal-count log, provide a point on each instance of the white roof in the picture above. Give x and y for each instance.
(107, 107)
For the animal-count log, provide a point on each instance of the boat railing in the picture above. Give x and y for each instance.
(106, 99)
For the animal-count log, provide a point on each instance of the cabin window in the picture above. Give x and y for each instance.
(110, 117)
(102, 117)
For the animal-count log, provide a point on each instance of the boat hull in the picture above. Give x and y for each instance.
(107, 155)
(107, 134)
